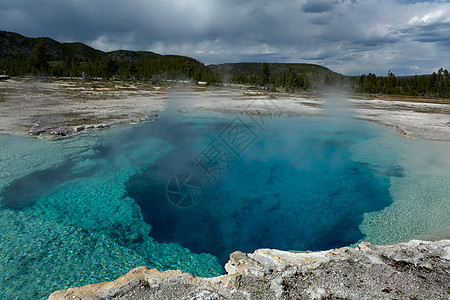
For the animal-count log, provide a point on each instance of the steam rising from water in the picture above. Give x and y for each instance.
(294, 165)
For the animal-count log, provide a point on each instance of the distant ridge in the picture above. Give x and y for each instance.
(16, 44)
(16, 49)
(76, 58)
(252, 68)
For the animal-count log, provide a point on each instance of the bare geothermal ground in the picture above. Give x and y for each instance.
(56, 108)
(415, 117)
(59, 108)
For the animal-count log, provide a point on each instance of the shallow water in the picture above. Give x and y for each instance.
(91, 207)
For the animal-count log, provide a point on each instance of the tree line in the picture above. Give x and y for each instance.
(288, 79)
(436, 85)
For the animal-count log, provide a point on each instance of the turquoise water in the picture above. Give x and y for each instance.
(89, 208)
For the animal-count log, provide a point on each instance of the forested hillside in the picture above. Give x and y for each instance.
(20, 55)
(290, 76)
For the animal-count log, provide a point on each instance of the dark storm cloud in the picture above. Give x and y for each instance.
(87, 20)
(433, 33)
(312, 6)
(377, 34)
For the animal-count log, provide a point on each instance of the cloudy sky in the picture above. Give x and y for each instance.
(348, 36)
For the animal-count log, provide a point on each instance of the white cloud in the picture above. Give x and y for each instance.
(432, 15)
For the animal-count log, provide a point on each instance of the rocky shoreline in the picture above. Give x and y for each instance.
(413, 270)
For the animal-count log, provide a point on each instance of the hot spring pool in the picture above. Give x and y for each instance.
(187, 190)
(294, 186)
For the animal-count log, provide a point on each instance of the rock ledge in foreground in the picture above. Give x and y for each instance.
(413, 270)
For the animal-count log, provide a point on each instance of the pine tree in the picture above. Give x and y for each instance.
(39, 58)
(108, 66)
(265, 74)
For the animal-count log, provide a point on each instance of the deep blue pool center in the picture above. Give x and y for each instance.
(289, 185)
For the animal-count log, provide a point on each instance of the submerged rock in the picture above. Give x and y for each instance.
(413, 270)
